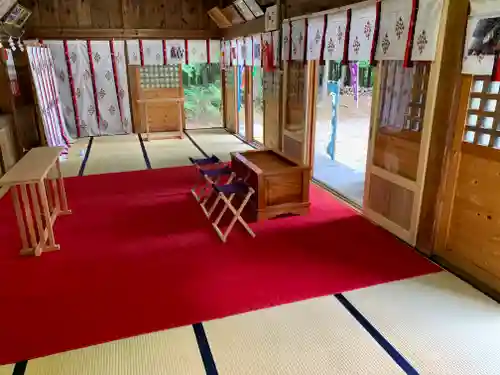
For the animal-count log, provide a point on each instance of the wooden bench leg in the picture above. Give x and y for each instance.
(49, 220)
(19, 217)
(62, 190)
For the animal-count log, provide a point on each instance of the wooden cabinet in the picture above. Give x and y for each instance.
(281, 185)
(157, 99)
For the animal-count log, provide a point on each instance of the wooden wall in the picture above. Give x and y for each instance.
(115, 18)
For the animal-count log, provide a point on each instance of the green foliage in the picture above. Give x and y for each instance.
(202, 91)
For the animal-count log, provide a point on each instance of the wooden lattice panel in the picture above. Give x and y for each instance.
(415, 115)
(415, 79)
(482, 124)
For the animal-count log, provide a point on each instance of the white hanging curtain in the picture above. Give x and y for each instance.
(285, 41)
(83, 88)
(426, 30)
(152, 52)
(362, 32)
(394, 31)
(257, 50)
(106, 83)
(248, 51)
(298, 40)
(63, 84)
(336, 25)
(214, 56)
(121, 75)
(234, 52)
(396, 93)
(176, 51)
(315, 31)
(42, 70)
(240, 51)
(133, 52)
(197, 51)
(482, 42)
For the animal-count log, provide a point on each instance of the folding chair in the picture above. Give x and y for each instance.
(213, 177)
(240, 188)
(212, 162)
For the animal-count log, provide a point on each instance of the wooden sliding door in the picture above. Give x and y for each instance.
(397, 153)
(299, 85)
(231, 99)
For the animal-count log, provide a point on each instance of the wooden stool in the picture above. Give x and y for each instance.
(42, 199)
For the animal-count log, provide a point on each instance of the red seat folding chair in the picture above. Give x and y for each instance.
(204, 189)
(226, 193)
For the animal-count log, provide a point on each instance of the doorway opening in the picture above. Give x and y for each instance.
(343, 110)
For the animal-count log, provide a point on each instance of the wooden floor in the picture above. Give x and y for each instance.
(436, 323)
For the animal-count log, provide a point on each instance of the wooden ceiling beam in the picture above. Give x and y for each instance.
(94, 33)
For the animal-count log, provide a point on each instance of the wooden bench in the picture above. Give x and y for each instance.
(43, 198)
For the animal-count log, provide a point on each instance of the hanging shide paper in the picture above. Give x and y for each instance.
(197, 51)
(298, 40)
(315, 31)
(426, 30)
(335, 36)
(285, 41)
(362, 33)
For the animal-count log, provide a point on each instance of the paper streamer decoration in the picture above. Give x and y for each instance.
(426, 30)
(362, 32)
(176, 51)
(241, 48)
(298, 40)
(285, 41)
(335, 36)
(315, 35)
(134, 55)
(234, 52)
(394, 29)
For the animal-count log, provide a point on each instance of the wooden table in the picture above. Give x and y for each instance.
(42, 199)
(281, 185)
(145, 115)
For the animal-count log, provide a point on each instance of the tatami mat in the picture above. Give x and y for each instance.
(317, 336)
(119, 153)
(6, 370)
(218, 142)
(162, 353)
(440, 324)
(70, 166)
(165, 153)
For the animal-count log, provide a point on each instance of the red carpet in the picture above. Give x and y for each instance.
(138, 256)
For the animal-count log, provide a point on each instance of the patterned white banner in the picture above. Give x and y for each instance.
(257, 50)
(133, 52)
(395, 17)
(315, 31)
(336, 25)
(285, 41)
(110, 122)
(176, 51)
(153, 52)
(240, 51)
(298, 42)
(276, 51)
(82, 81)
(248, 51)
(215, 51)
(234, 52)
(197, 51)
(62, 77)
(121, 75)
(427, 30)
(47, 97)
(361, 33)
(485, 8)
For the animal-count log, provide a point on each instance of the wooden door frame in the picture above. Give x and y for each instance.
(248, 103)
(416, 186)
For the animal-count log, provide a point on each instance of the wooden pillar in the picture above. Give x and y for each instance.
(449, 60)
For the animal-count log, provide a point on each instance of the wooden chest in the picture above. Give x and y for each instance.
(281, 185)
